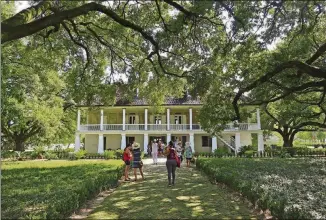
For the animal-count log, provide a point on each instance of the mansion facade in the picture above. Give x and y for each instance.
(112, 127)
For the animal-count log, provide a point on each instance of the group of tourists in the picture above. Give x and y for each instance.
(173, 152)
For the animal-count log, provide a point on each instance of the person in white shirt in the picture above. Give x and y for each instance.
(179, 151)
(154, 152)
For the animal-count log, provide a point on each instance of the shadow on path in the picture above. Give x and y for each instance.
(192, 197)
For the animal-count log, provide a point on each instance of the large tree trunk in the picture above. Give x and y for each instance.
(19, 144)
(287, 141)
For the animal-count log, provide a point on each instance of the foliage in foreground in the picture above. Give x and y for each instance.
(53, 189)
(289, 188)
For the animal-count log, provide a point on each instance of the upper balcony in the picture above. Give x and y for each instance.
(162, 127)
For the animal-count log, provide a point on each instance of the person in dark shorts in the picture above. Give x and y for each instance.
(171, 162)
(137, 163)
(127, 158)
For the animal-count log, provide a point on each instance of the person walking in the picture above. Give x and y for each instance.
(154, 152)
(149, 148)
(171, 162)
(127, 156)
(188, 152)
(137, 163)
(179, 151)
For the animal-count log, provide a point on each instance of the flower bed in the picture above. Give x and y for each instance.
(53, 189)
(290, 188)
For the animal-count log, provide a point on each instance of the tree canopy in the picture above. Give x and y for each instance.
(220, 50)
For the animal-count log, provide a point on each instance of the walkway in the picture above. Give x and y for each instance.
(193, 196)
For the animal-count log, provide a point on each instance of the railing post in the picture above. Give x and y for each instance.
(192, 141)
(258, 119)
(100, 144)
(78, 120)
(214, 144)
(260, 142)
(146, 113)
(101, 125)
(168, 118)
(190, 118)
(237, 142)
(123, 119)
(77, 142)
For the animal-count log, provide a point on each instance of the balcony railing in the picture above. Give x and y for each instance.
(163, 127)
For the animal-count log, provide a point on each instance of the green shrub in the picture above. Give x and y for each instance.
(249, 153)
(284, 186)
(119, 154)
(109, 154)
(53, 189)
(80, 154)
(245, 148)
(220, 152)
(50, 156)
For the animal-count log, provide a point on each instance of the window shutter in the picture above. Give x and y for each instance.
(163, 118)
(137, 119)
(184, 119)
(151, 119)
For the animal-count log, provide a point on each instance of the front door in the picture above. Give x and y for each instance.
(184, 140)
(104, 143)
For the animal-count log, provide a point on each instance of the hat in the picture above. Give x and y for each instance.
(135, 146)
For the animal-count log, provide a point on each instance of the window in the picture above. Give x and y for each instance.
(178, 119)
(132, 119)
(130, 140)
(157, 120)
(206, 141)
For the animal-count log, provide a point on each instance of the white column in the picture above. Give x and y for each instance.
(102, 117)
(145, 143)
(237, 142)
(100, 144)
(214, 144)
(258, 119)
(78, 120)
(190, 118)
(168, 138)
(146, 114)
(123, 141)
(260, 142)
(192, 141)
(123, 119)
(168, 120)
(77, 142)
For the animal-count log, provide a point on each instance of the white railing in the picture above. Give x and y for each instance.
(242, 126)
(163, 127)
(112, 127)
(135, 127)
(157, 127)
(90, 127)
(179, 127)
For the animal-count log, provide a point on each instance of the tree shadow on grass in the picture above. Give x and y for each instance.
(192, 197)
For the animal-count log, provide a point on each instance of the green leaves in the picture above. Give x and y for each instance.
(52, 189)
(283, 186)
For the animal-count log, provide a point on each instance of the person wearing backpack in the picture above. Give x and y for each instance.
(127, 156)
(171, 162)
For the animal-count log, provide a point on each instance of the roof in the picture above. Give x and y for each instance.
(137, 101)
(186, 100)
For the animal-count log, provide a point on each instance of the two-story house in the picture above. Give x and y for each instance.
(111, 127)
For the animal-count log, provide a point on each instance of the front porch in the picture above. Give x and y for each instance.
(98, 142)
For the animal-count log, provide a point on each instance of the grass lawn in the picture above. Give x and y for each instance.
(193, 197)
(53, 189)
(289, 188)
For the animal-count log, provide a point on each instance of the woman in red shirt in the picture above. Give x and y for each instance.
(127, 155)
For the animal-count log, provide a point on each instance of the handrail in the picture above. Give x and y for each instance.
(164, 127)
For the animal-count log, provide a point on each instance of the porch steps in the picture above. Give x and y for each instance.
(230, 145)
